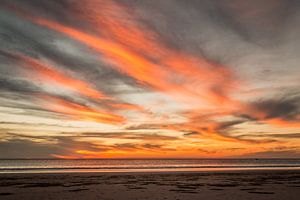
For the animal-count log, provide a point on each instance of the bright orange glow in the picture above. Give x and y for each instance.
(183, 152)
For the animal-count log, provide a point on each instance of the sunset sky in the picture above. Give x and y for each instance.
(149, 78)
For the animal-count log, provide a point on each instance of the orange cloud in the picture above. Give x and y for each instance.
(136, 50)
(126, 106)
(206, 130)
(139, 54)
(282, 123)
(119, 24)
(50, 73)
(79, 112)
(116, 22)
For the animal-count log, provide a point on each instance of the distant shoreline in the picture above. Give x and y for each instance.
(144, 165)
(291, 158)
(148, 170)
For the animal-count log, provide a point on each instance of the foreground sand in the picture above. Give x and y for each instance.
(281, 185)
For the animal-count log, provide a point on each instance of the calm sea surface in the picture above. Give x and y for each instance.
(142, 165)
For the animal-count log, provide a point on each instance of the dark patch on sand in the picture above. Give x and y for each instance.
(255, 192)
(256, 184)
(82, 184)
(248, 189)
(78, 190)
(183, 191)
(8, 184)
(5, 193)
(223, 185)
(216, 189)
(136, 188)
(42, 185)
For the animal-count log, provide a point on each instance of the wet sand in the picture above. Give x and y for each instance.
(137, 186)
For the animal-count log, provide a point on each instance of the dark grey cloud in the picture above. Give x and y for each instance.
(285, 108)
(276, 135)
(282, 108)
(151, 146)
(256, 20)
(26, 149)
(285, 135)
(18, 86)
(191, 133)
(16, 145)
(225, 29)
(223, 126)
(274, 154)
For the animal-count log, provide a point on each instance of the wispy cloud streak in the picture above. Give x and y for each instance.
(52, 74)
(164, 69)
(79, 112)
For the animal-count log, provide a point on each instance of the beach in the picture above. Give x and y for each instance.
(253, 184)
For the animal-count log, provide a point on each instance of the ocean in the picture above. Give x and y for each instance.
(142, 165)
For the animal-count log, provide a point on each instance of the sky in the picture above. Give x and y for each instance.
(149, 79)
